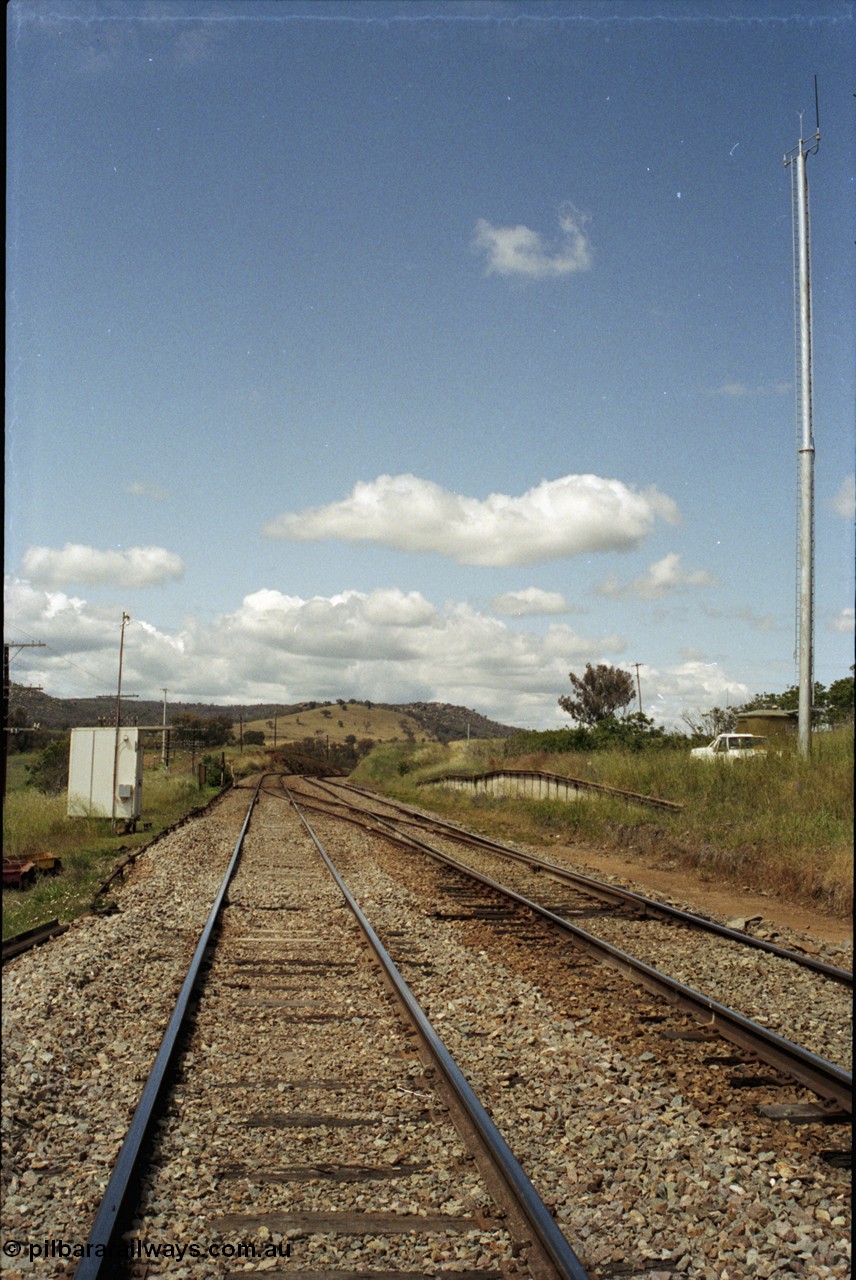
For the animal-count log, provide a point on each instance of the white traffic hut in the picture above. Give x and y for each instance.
(105, 773)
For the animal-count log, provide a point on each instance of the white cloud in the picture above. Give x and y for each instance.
(557, 518)
(736, 389)
(519, 251)
(694, 685)
(843, 622)
(529, 602)
(387, 645)
(146, 489)
(663, 578)
(741, 390)
(133, 567)
(757, 621)
(844, 502)
(348, 626)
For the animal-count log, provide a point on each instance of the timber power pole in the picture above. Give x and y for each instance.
(7, 729)
(126, 618)
(795, 160)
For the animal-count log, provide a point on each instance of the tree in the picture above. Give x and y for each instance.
(707, 724)
(49, 772)
(840, 700)
(831, 706)
(789, 700)
(207, 731)
(599, 693)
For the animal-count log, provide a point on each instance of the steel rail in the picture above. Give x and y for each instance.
(823, 1078)
(614, 893)
(32, 938)
(545, 1232)
(102, 1251)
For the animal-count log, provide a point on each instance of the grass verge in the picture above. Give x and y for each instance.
(778, 823)
(37, 823)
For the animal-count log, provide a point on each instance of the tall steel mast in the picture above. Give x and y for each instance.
(795, 159)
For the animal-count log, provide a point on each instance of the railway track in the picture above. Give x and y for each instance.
(301, 1129)
(637, 936)
(309, 1070)
(355, 800)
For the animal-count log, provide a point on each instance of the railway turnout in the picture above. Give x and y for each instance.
(402, 1050)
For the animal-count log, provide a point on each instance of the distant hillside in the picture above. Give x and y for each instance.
(446, 722)
(381, 721)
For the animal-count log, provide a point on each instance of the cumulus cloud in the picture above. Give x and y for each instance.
(557, 518)
(351, 625)
(663, 578)
(519, 251)
(529, 602)
(133, 567)
(844, 502)
(699, 685)
(387, 645)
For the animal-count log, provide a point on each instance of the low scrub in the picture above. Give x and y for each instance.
(776, 823)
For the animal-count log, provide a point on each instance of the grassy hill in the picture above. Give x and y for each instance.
(292, 722)
(338, 722)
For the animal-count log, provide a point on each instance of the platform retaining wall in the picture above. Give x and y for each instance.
(531, 784)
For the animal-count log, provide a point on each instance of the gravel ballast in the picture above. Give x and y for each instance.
(652, 1168)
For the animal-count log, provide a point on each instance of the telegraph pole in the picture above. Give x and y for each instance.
(163, 736)
(637, 665)
(7, 690)
(795, 160)
(125, 620)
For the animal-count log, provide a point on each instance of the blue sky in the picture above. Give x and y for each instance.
(423, 351)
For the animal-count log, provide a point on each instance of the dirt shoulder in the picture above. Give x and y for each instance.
(660, 877)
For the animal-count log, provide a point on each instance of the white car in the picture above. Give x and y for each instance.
(731, 746)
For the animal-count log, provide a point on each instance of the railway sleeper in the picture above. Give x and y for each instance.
(805, 1113)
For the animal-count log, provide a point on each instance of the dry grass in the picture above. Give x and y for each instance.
(779, 824)
(337, 723)
(36, 823)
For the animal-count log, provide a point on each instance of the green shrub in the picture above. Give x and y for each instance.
(49, 771)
